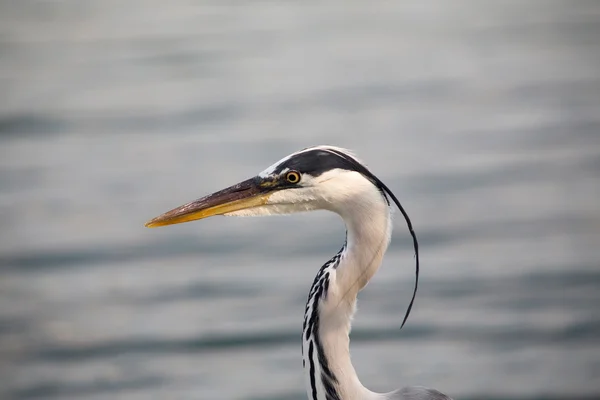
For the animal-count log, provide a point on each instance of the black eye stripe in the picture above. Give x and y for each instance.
(314, 162)
(318, 161)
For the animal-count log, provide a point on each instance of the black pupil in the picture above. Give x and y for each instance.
(293, 177)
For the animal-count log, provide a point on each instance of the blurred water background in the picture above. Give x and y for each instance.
(482, 116)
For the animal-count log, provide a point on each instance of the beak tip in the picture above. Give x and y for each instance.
(150, 224)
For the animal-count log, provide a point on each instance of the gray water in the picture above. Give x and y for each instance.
(482, 116)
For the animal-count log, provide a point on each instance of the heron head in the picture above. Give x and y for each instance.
(322, 177)
(316, 178)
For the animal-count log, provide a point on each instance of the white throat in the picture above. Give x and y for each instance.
(329, 372)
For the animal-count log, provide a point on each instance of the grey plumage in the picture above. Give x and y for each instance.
(416, 393)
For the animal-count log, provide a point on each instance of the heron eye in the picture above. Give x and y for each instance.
(292, 177)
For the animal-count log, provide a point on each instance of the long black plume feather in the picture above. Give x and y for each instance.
(384, 189)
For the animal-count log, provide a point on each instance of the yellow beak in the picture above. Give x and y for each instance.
(246, 194)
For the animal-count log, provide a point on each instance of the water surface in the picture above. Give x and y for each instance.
(481, 116)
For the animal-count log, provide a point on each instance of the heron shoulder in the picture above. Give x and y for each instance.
(416, 393)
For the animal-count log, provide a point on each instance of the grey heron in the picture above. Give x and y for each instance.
(323, 178)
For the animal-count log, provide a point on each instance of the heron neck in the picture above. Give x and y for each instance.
(366, 242)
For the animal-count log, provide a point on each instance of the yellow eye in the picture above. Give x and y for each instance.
(292, 177)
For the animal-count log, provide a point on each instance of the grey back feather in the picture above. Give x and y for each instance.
(416, 393)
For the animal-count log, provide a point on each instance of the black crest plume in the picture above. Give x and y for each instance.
(386, 191)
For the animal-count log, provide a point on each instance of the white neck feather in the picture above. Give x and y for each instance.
(368, 223)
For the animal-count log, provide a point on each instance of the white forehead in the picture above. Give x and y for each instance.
(269, 171)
